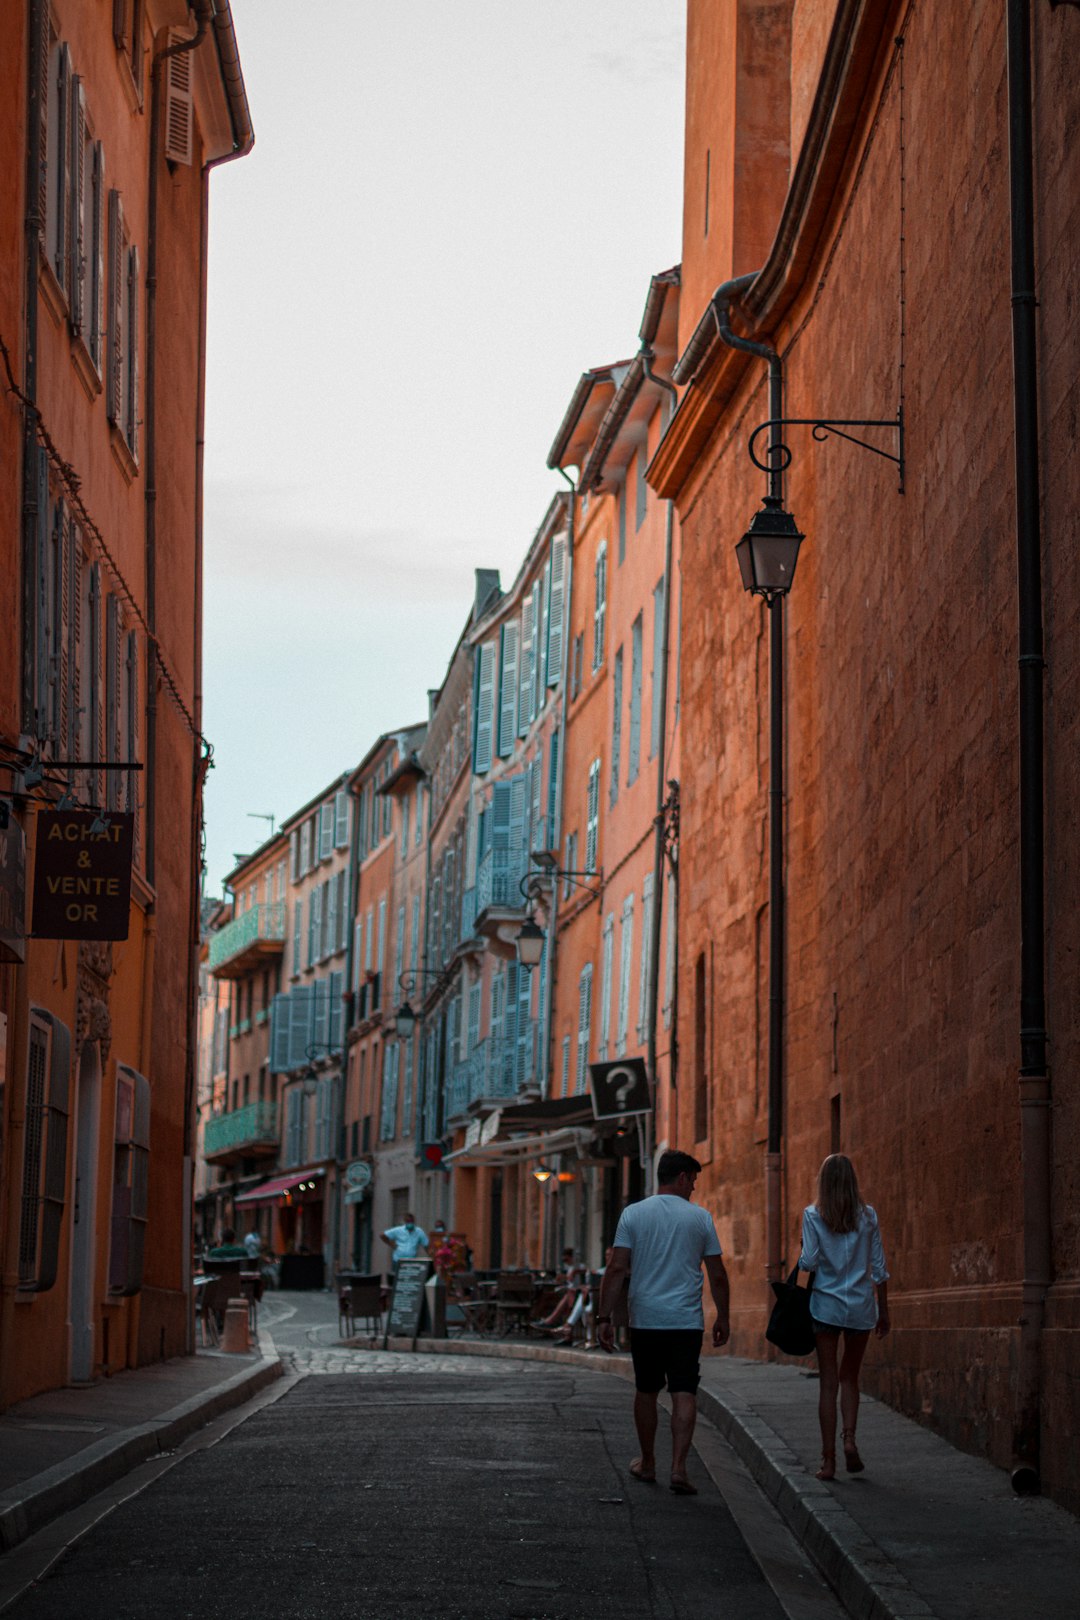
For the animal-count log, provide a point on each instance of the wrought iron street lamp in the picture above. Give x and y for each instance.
(405, 1019)
(769, 550)
(530, 938)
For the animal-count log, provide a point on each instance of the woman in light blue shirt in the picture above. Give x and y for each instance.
(841, 1244)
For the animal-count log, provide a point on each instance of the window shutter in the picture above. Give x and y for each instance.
(508, 689)
(616, 726)
(584, 1025)
(279, 1033)
(564, 1090)
(321, 1016)
(130, 1210)
(131, 425)
(536, 665)
(298, 933)
(501, 815)
(553, 792)
(326, 830)
(525, 682)
(537, 831)
(119, 24)
(132, 739)
(523, 1054)
(605, 984)
(341, 818)
(97, 685)
(115, 325)
(112, 698)
(76, 227)
(483, 708)
(178, 109)
(626, 957)
(337, 1009)
(331, 915)
(658, 658)
(97, 256)
(474, 1015)
(73, 571)
(600, 607)
(646, 956)
(556, 611)
(44, 59)
(399, 948)
(369, 941)
(42, 650)
(62, 148)
(633, 763)
(407, 1092)
(381, 957)
(517, 817)
(414, 933)
(592, 817)
(44, 1177)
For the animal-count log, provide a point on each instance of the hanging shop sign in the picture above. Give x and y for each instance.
(82, 874)
(619, 1088)
(12, 888)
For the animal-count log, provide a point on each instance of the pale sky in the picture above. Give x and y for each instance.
(453, 208)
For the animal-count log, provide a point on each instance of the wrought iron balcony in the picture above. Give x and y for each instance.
(496, 1070)
(498, 881)
(256, 936)
(250, 1130)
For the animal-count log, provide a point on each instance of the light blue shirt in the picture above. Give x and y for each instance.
(406, 1243)
(668, 1238)
(847, 1265)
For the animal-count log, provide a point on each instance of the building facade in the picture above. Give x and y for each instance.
(113, 118)
(848, 212)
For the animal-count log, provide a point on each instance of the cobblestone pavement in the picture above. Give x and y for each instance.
(304, 1328)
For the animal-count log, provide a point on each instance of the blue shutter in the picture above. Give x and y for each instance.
(635, 702)
(279, 1034)
(528, 654)
(553, 792)
(537, 832)
(536, 669)
(321, 1025)
(483, 707)
(523, 1055)
(341, 818)
(301, 1013)
(584, 1026)
(474, 1016)
(517, 812)
(337, 1010)
(508, 689)
(556, 613)
(500, 815)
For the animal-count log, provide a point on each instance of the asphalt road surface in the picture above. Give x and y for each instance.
(491, 1492)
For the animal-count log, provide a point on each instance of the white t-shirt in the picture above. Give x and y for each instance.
(668, 1238)
(406, 1242)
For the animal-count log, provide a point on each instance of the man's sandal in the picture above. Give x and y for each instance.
(852, 1461)
(827, 1470)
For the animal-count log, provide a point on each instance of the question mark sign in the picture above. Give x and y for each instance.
(622, 1090)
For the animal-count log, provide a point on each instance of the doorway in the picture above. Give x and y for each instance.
(84, 1216)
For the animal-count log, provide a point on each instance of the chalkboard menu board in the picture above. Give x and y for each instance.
(407, 1300)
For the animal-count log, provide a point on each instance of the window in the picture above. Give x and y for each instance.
(407, 1090)
(608, 952)
(419, 818)
(633, 763)
(526, 663)
(571, 863)
(576, 663)
(600, 606)
(380, 959)
(298, 930)
(564, 1090)
(388, 1112)
(326, 830)
(341, 818)
(592, 817)
(626, 957)
(553, 791)
(657, 670)
(128, 35)
(646, 956)
(584, 1024)
(483, 707)
(122, 371)
(414, 935)
(44, 1170)
(399, 944)
(294, 855)
(114, 691)
(131, 1162)
(305, 848)
(616, 726)
(642, 489)
(556, 612)
(508, 688)
(405, 807)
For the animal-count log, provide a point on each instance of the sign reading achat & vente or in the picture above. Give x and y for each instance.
(82, 874)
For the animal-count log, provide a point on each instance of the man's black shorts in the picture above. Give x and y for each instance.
(671, 1355)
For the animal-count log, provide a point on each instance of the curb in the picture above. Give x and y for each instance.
(29, 1505)
(866, 1581)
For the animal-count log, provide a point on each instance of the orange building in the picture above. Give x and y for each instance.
(112, 118)
(615, 969)
(856, 207)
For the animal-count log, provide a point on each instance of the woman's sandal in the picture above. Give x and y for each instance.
(827, 1470)
(852, 1461)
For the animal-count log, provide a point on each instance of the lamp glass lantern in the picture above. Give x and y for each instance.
(530, 944)
(543, 1172)
(404, 1021)
(769, 550)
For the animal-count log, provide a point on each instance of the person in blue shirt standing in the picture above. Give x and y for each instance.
(405, 1240)
(662, 1242)
(841, 1244)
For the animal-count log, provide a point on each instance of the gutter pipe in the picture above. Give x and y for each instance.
(1034, 1077)
(720, 304)
(656, 921)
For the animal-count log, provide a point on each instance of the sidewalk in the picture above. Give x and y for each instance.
(59, 1448)
(926, 1533)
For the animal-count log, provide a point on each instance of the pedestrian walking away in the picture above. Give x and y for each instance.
(662, 1242)
(841, 1245)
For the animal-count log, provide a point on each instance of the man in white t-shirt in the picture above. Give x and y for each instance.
(663, 1242)
(405, 1240)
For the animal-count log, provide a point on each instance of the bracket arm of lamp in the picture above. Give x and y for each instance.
(779, 456)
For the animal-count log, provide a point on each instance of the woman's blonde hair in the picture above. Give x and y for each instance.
(838, 1201)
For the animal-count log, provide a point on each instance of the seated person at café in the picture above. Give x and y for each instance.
(228, 1248)
(405, 1240)
(571, 1302)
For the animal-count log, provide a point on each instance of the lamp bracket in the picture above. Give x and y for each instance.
(531, 881)
(779, 455)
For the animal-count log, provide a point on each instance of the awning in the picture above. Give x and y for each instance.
(520, 1149)
(267, 1191)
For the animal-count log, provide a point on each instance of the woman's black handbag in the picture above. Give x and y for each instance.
(790, 1327)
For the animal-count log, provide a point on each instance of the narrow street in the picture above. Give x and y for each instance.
(481, 1490)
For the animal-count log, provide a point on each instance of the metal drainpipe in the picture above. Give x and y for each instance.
(721, 307)
(657, 919)
(553, 956)
(1034, 1078)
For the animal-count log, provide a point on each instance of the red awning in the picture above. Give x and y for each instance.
(267, 1191)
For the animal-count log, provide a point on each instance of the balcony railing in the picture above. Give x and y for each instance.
(244, 1130)
(494, 1071)
(498, 879)
(256, 934)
